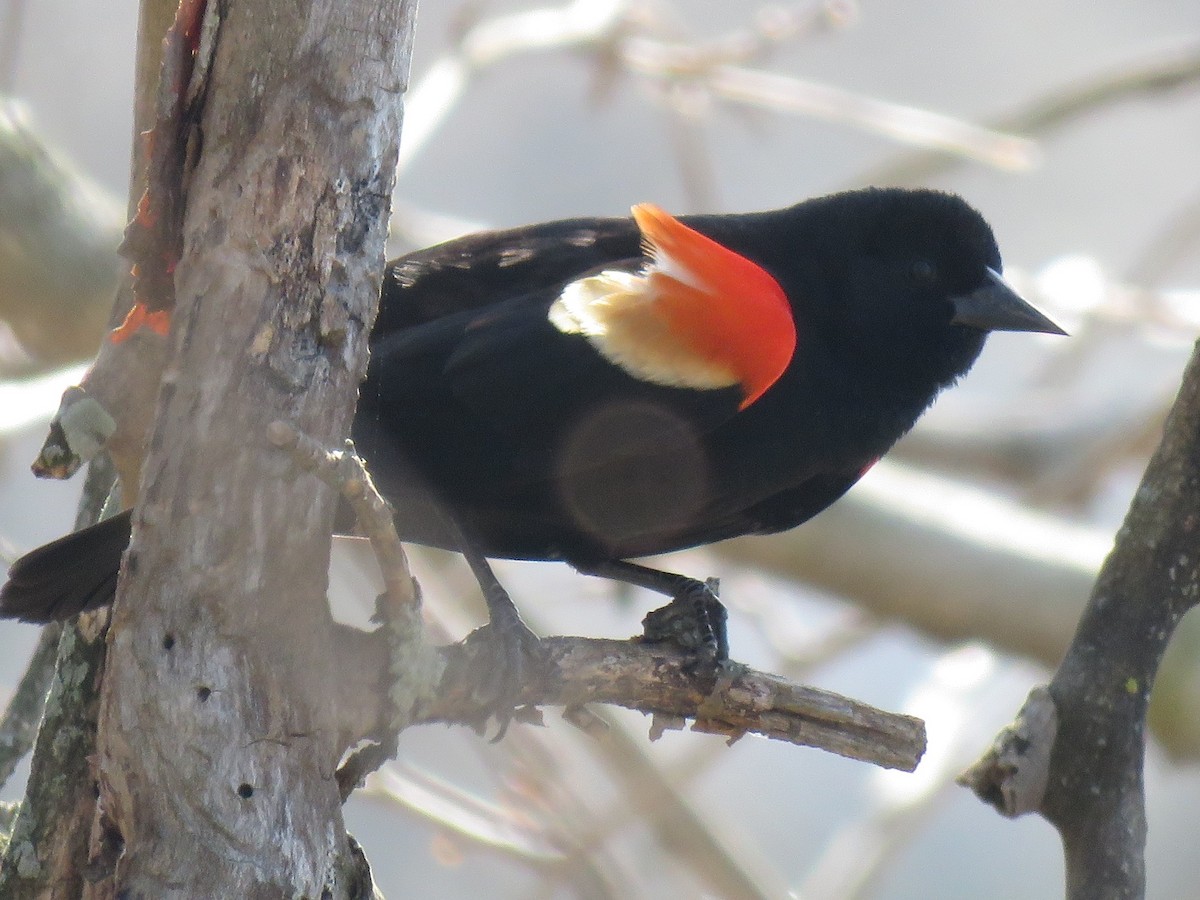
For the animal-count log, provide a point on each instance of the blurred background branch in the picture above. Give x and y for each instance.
(50, 212)
(1157, 71)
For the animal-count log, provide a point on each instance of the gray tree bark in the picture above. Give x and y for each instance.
(218, 735)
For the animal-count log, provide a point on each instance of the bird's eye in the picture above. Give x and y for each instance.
(923, 270)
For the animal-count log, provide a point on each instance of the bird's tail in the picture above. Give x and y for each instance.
(74, 574)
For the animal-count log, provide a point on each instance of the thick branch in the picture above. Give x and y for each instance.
(1094, 743)
(47, 854)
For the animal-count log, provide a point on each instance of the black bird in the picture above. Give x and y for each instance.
(594, 390)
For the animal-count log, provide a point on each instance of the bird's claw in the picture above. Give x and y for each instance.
(694, 621)
(510, 655)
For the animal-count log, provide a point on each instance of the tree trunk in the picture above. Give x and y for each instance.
(217, 738)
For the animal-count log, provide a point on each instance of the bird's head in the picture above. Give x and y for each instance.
(919, 277)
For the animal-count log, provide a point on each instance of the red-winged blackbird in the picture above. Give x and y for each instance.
(592, 390)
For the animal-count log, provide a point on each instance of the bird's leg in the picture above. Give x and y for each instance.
(510, 644)
(694, 620)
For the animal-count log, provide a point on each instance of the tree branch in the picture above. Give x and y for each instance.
(656, 681)
(47, 854)
(1087, 751)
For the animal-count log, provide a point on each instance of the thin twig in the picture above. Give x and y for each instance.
(345, 472)
(690, 144)
(905, 124)
(430, 100)
(497, 829)
(486, 825)
(692, 832)
(771, 28)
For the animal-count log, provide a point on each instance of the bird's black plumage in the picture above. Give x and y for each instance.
(548, 451)
(481, 419)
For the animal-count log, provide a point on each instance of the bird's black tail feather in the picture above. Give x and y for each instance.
(69, 576)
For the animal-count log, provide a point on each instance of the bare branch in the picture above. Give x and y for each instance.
(48, 850)
(656, 680)
(577, 23)
(345, 472)
(906, 124)
(1093, 744)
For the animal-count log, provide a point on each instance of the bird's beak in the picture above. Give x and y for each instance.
(997, 307)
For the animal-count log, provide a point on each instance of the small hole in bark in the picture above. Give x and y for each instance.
(245, 791)
(168, 641)
(203, 693)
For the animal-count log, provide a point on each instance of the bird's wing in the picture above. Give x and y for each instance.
(504, 385)
(491, 267)
(530, 328)
(515, 369)
(689, 315)
(685, 312)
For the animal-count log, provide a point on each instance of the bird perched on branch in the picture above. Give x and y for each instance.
(596, 390)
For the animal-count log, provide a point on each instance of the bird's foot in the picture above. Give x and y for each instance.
(694, 621)
(509, 656)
